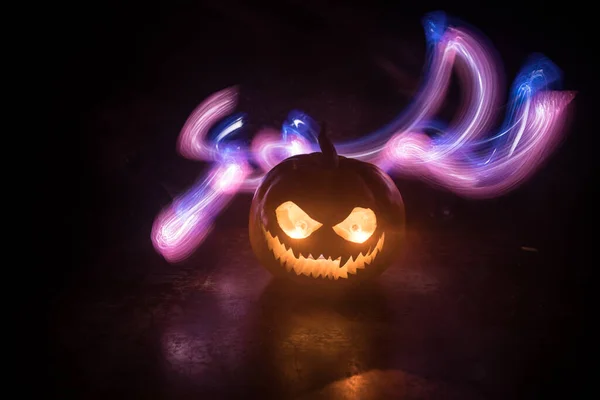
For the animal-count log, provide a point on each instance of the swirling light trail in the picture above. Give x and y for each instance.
(462, 157)
(184, 224)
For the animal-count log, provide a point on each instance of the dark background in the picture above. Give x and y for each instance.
(467, 314)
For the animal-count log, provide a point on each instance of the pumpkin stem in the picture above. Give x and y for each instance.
(327, 148)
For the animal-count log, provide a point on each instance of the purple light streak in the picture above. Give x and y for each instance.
(466, 157)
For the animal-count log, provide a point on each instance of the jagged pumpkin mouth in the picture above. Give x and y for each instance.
(320, 266)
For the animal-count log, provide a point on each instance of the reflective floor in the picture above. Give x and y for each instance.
(465, 315)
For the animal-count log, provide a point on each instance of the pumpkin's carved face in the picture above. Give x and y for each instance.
(311, 220)
(358, 227)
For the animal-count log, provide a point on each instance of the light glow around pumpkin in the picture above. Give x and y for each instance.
(468, 155)
(358, 226)
(320, 266)
(294, 221)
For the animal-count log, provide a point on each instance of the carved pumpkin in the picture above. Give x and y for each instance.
(321, 216)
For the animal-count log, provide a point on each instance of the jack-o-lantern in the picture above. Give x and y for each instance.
(319, 217)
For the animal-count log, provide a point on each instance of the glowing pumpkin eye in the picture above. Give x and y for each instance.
(358, 226)
(294, 222)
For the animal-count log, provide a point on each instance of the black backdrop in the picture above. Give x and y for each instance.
(124, 77)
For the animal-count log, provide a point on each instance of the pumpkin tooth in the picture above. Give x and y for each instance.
(344, 260)
(327, 266)
(342, 273)
(305, 266)
(321, 257)
(289, 265)
(374, 254)
(278, 251)
(289, 257)
(315, 271)
(319, 268)
(296, 254)
(360, 261)
(324, 270)
(378, 248)
(289, 254)
(333, 270)
(310, 257)
(306, 269)
(330, 270)
(351, 266)
(298, 267)
(381, 241)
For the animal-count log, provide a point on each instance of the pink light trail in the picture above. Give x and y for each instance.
(466, 157)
